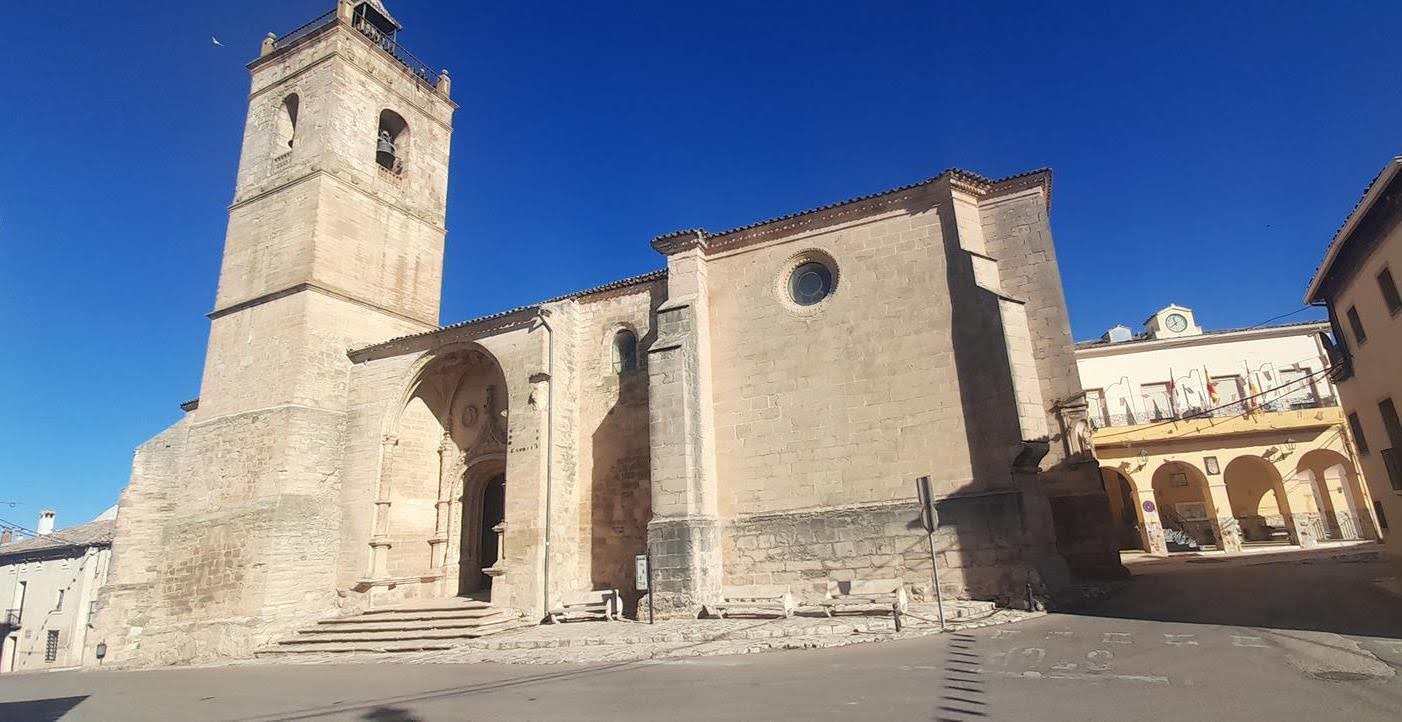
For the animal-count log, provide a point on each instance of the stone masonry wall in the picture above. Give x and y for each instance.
(846, 402)
(980, 546)
(614, 458)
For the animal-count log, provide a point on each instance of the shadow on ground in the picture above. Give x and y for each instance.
(39, 709)
(962, 697)
(1354, 594)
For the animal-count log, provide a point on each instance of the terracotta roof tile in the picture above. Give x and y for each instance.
(611, 286)
(954, 173)
(93, 533)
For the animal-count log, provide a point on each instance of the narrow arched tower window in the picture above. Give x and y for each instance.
(286, 125)
(625, 351)
(391, 141)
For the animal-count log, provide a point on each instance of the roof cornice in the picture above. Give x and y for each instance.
(870, 204)
(1360, 209)
(1210, 337)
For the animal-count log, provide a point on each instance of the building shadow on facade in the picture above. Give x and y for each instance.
(621, 491)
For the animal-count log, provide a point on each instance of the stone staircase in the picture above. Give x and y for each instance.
(413, 627)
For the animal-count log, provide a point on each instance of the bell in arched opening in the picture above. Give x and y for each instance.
(384, 151)
(392, 142)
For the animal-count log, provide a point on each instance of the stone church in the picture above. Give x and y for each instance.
(756, 411)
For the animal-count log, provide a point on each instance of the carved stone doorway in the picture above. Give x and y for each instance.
(493, 513)
(481, 528)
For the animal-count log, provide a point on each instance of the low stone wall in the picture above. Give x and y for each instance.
(985, 552)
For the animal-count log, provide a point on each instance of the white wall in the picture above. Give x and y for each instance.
(1122, 370)
(79, 575)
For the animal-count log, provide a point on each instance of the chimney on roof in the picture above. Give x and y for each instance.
(46, 522)
(6, 536)
(1118, 334)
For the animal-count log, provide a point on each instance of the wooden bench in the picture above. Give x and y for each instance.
(865, 595)
(602, 604)
(756, 599)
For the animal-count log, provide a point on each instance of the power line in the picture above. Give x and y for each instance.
(36, 535)
(1204, 413)
(1277, 318)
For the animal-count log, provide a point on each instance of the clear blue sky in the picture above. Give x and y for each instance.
(1203, 155)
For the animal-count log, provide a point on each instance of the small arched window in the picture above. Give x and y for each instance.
(625, 352)
(286, 125)
(391, 141)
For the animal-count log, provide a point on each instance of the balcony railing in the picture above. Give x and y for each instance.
(11, 619)
(1237, 408)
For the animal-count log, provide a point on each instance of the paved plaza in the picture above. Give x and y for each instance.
(1189, 638)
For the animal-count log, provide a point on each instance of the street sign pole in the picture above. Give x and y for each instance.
(642, 579)
(930, 519)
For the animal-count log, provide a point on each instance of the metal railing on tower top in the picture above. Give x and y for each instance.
(386, 41)
(311, 27)
(392, 46)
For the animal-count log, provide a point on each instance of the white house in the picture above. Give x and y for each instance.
(48, 592)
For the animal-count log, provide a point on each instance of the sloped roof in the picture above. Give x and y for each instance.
(1365, 202)
(970, 180)
(381, 9)
(640, 279)
(93, 533)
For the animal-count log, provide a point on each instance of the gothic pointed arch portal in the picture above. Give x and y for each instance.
(444, 488)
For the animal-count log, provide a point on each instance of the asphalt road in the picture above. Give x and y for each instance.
(1319, 640)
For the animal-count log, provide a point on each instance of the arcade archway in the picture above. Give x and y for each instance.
(1258, 500)
(1185, 507)
(1124, 509)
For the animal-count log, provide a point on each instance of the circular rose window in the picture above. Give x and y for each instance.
(810, 283)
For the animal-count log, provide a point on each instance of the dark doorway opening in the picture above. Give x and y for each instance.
(493, 512)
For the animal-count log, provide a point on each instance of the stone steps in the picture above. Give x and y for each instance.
(316, 636)
(405, 625)
(435, 605)
(359, 620)
(415, 627)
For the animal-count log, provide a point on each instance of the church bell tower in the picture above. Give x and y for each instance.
(336, 230)
(229, 532)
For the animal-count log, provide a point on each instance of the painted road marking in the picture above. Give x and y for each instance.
(1078, 676)
(1117, 638)
(1005, 633)
(1180, 640)
(1245, 641)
